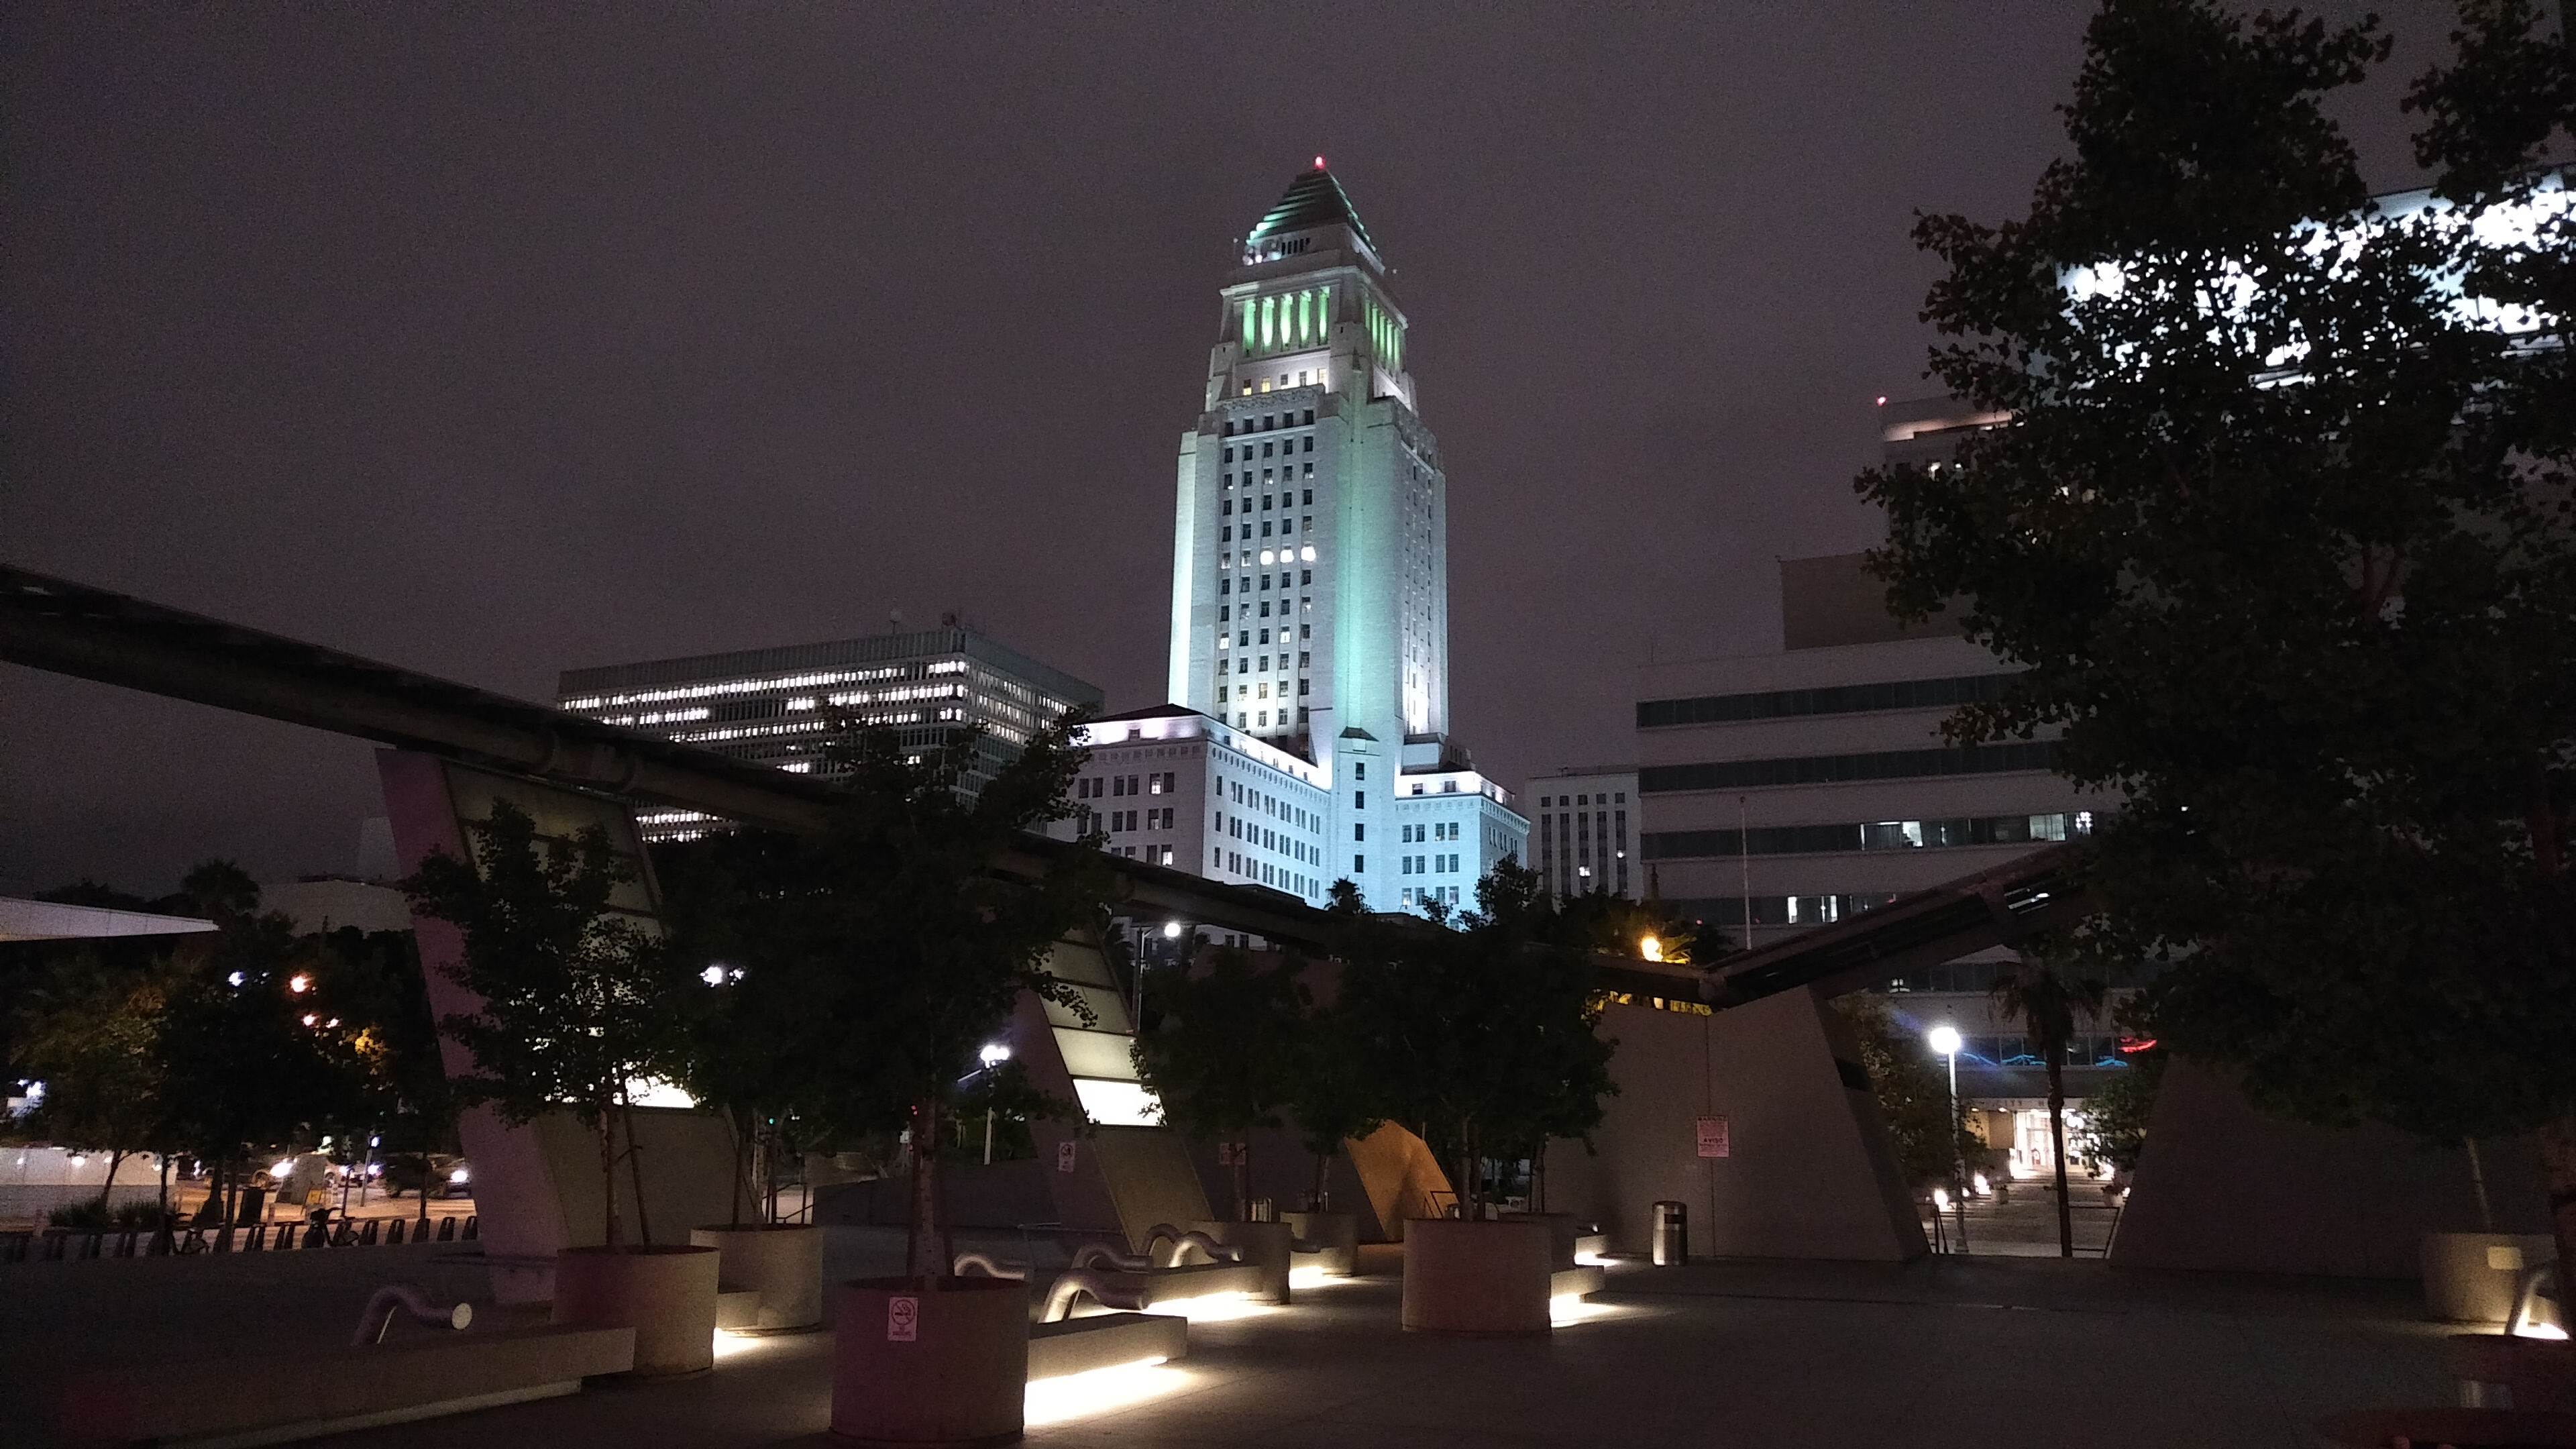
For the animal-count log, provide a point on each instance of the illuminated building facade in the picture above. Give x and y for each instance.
(778, 706)
(1310, 566)
(1584, 835)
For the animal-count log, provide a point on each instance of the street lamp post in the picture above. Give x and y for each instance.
(1945, 1043)
(993, 1055)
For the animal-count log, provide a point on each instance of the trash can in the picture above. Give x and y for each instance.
(1672, 1234)
(253, 1209)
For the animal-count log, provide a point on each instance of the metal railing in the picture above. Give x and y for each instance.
(58, 1245)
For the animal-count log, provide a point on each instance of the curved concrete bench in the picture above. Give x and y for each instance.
(312, 1391)
(1078, 1345)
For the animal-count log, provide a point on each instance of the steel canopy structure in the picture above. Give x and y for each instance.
(69, 628)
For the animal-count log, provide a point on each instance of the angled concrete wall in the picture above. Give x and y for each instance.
(537, 1188)
(1810, 1172)
(2223, 1187)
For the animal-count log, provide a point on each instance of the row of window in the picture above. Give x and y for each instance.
(1430, 865)
(1278, 877)
(1288, 499)
(1304, 577)
(1779, 910)
(1118, 821)
(1436, 830)
(1267, 422)
(1244, 638)
(1549, 802)
(1259, 719)
(1879, 835)
(1093, 787)
(1226, 534)
(1285, 473)
(1284, 445)
(1243, 662)
(1420, 895)
(1225, 612)
(1242, 692)
(1833, 699)
(1836, 769)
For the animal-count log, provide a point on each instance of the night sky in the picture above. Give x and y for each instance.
(491, 342)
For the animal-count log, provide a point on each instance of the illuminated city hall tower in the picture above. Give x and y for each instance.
(1310, 565)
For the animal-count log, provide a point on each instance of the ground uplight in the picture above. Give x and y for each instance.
(1076, 1396)
(1569, 1309)
(1211, 1307)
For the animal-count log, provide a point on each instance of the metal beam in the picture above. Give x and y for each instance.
(68, 628)
(1995, 907)
(54, 624)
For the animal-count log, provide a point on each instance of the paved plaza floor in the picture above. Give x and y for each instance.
(1942, 1352)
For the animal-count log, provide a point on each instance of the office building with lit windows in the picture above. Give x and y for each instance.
(1310, 558)
(786, 706)
(1584, 833)
(1804, 786)
(1171, 786)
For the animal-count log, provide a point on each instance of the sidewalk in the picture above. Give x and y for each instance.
(1942, 1352)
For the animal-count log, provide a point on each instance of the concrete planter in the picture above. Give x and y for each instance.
(1338, 1234)
(782, 1262)
(2472, 1277)
(2463, 1428)
(929, 1361)
(1264, 1246)
(1473, 1279)
(666, 1294)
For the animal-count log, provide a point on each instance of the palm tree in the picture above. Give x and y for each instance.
(2039, 994)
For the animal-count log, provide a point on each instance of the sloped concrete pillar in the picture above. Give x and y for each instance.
(1809, 1170)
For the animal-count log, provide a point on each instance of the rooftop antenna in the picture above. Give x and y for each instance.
(894, 621)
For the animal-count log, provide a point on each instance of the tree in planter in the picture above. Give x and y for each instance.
(903, 948)
(1223, 1058)
(1482, 1034)
(578, 1000)
(2282, 537)
(2045, 998)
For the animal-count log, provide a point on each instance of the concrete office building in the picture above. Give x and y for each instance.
(1310, 558)
(1584, 835)
(1804, 786)
(779, 706)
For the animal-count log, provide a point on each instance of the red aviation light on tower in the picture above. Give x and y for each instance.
(1319, 163)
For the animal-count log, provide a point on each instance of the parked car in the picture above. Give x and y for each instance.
(448, 1176)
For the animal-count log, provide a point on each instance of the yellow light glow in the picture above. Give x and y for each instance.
(733, 1345)
(1210, 1307)
(299, 983)
(1570, 1309)
(1076, 1396)
(1650, 948)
